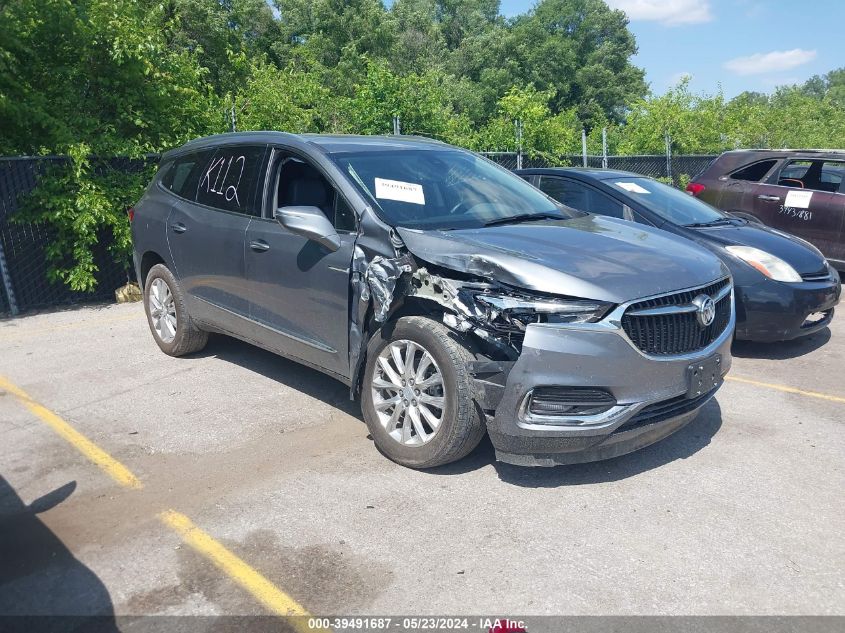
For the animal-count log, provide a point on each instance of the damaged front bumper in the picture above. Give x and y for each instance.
(611, 397)
(651, 396)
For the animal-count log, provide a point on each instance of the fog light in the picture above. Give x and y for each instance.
(814, 318)
(569, 401)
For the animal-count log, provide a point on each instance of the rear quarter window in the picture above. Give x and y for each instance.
(754, 172)
(183, 175)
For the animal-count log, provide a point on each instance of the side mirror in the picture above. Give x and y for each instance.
(309, 222)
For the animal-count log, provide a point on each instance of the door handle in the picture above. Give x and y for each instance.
(178, 227)
(768, 198)
(259, 246)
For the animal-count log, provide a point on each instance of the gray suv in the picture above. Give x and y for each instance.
(450, 295)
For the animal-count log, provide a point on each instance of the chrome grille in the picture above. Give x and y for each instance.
(677, 332)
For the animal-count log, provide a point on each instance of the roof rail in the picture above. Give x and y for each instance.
(795, 150)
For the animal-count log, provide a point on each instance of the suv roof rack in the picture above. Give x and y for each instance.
(797, 151)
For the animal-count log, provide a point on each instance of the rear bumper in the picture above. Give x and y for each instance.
(650, 393)
(775, 311)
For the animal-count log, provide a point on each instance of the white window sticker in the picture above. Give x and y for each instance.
(399, 191)
(798, 199)
(632, 187)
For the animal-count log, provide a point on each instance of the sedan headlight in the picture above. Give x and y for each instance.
(771, 266)
(515, 313)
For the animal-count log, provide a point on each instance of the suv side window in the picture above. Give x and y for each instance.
(228, 180)
(301, 184)
(183, 175)
(566, 191)
(833, 173)
(755, 171)
(818, 175)
(582, 197)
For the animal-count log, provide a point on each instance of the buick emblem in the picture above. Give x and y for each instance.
(705, 310)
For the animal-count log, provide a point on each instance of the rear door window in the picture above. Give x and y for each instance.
(580, 196)
(572, 194)
(816, 175)
(228, 181)
(793, 173)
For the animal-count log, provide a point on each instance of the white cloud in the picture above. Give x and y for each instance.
(776, 61)
(677, 78)
(668, 12)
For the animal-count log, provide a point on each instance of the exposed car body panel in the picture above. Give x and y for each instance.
(321, 306)
(767, 310)
(816, 213)
(554, 355)
(593, 257)
(793, 252)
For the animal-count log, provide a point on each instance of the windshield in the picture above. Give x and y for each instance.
(669, 203)
(445, 189)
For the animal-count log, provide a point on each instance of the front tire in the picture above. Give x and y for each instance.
(417, 394)
(171, 325)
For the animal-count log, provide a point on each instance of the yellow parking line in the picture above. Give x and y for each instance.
(273, 598)
(787, 389)
(264, 591)
(117, 471)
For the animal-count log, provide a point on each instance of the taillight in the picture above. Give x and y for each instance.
(131, 213)
(695, 188)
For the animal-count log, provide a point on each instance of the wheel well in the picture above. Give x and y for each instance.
(149, 260)
(409, 307)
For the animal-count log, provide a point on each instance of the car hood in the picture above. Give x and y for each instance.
(590, 257)
(803, 258)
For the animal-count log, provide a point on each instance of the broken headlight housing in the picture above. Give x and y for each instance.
(513, 313)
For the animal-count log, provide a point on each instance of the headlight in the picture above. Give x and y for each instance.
(508, 312)
(771, 266)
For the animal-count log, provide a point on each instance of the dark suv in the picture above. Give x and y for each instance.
(801, 192)
(453, 297)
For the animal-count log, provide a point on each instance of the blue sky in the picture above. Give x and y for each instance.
(738, 44)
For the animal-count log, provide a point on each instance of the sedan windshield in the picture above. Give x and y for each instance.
(669, 203)
(446, 189)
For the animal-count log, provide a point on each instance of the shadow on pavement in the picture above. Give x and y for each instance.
(40, 578)
(689, 440)
(783, 349)
(290, 373)
(685, 443)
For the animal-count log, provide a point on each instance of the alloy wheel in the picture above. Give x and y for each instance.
(162, 310)
(408, 393)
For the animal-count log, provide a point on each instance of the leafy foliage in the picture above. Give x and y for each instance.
(80, 205)
(100, 78)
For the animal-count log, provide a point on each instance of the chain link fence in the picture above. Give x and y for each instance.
(24, 284)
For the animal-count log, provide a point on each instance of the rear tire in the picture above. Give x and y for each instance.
(168, 318)
(436, 424)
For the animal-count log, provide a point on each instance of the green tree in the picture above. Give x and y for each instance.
(332, 37)
(94, 77)
(831, 85)
(418, 100)
(224, 34)
(287, 100)
(543, 134)
(581, 49)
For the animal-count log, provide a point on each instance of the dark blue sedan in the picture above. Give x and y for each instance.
(784, 286)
